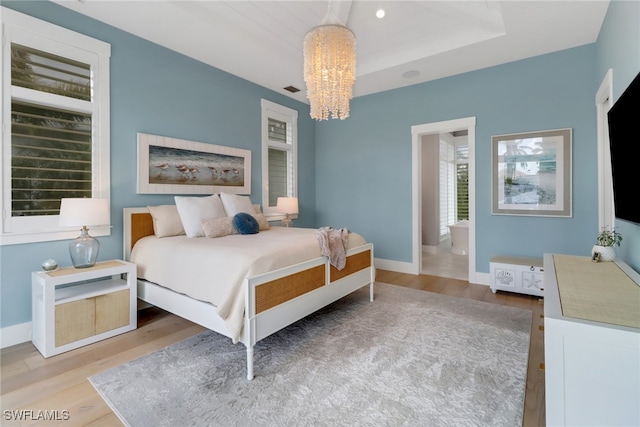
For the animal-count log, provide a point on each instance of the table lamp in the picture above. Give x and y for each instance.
(287, 205)
(84, 212)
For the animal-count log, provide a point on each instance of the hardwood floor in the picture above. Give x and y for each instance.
(59, 384)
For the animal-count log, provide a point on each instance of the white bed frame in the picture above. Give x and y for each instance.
(300, 289)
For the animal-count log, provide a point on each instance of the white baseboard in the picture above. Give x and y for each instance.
(16, 334)
(430, 249)
(481, 279)
(406, 267)
(399, 266)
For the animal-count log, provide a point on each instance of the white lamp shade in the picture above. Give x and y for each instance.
(287, 205)
(83, 212)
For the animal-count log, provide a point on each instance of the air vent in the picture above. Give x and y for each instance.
(292, 89)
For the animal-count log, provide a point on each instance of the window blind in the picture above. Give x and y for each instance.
(280, 168)
(277, 175)
(51, 146)
(447, 188)
(462, 182)
(277, 131)
(45, 72)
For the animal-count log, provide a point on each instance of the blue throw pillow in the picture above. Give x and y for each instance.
(245, 223)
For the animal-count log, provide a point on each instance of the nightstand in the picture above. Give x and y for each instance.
(73, 307)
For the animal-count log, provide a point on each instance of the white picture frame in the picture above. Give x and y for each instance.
(178, 166)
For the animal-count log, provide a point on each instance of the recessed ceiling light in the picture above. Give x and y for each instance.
(380, 13)
(411, 74)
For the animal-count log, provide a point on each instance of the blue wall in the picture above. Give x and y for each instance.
(158, 91)
(364, 163)
(354, 173)
(547, 92)
(618, 49)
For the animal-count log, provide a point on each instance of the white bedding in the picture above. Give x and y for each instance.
(213, 270)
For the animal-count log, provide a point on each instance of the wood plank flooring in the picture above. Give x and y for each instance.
(32, 383)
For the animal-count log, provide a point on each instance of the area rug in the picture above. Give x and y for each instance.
(408, 358)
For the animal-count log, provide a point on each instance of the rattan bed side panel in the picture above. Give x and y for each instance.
(355, 262)
(141, 226)
(278, 291)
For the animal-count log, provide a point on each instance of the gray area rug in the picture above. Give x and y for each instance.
(409, 358)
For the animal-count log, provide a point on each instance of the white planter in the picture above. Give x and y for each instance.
(607, 253)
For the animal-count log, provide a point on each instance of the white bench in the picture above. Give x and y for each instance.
(517, 274)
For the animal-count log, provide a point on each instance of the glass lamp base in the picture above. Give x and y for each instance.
(84, 250)
(286, 222)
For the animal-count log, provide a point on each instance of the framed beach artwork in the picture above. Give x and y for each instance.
(532, 173)
(178, 166)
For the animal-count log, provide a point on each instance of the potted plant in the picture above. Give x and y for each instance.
(603, 249)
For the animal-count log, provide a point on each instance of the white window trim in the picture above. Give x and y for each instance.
(459, 141)
(24, 29)
(447, 209)
(604, 101)
(288, 115)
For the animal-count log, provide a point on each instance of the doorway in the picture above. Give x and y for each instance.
(419, 134)
(445, 205)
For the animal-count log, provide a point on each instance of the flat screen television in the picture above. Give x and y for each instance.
(624, 142)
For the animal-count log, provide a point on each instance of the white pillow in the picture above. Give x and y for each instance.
(166, 220)
(234, 204)
(194, 210)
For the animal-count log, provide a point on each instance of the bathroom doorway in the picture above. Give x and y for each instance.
(445, 204)
(433, 250)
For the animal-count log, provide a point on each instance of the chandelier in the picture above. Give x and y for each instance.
(329, 70)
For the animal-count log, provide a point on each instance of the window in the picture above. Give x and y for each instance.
(55, 115)
(447, 184)
(454, 180)
(462, 181)
(279, 158)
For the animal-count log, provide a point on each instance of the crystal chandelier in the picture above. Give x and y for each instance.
(329, 70)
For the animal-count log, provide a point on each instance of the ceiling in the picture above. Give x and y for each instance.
(417, 41)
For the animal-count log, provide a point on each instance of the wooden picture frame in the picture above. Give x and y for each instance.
(178, 166)
(532, 173)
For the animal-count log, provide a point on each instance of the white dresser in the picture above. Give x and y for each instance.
(592, 342)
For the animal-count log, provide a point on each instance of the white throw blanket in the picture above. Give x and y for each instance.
(334, 244)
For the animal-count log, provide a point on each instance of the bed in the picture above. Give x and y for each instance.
(271, 295)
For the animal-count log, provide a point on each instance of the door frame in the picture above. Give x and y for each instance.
(417, 132)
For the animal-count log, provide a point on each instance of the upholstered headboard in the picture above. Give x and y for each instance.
(138, 223)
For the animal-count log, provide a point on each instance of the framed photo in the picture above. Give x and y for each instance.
(532, 173)
(177, 166)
